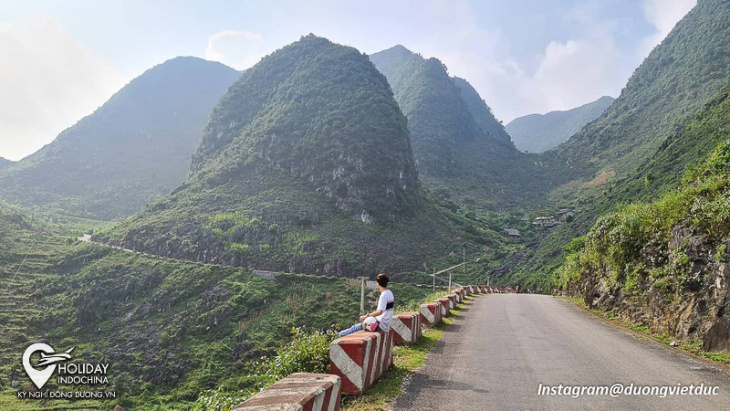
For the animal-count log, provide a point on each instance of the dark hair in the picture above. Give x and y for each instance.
(383, 279)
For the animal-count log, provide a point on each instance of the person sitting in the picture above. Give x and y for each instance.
(382, 315)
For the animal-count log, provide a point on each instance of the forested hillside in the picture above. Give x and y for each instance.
(688, 147)
(667, 257)
(536, 133)
(134, 148)
(481, 112)
(461, 150)
(680, 75)
(305, 166)
(642, 143)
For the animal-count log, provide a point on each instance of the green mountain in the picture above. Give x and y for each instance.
(690, 66)
(460, 148)
(136, 147)
(660, 175)
(536, 133)
(305, 166)
(481, 112)
(643, 142)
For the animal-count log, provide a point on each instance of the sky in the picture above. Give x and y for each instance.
(63, 59)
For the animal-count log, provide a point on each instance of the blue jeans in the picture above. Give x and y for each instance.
(354, 328)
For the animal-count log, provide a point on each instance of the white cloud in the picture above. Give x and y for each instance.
(664, 15)
(565, 75)
(575, 72)
(237, 49)
(48, 81)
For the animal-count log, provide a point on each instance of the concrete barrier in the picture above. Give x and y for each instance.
(406, 328)
(360, 359)
(315, 392)
(444, 306)
(431, 314)
(466, 290)
(452, 301)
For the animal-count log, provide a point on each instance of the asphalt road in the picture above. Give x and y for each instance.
(503, 346)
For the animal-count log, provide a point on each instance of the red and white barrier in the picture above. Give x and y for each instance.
(406, 328)
(315, 392)
(466, 290)
(431, 314)
(360, 359)
(452, 301)
(444, 306)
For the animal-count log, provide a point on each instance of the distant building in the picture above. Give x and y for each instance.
(564, 213)
(512, 232)
(545, 222)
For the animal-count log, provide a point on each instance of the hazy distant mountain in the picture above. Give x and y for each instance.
(305, 166)
(4, 163)
(536, 133)
(458, 144)
(136, 147)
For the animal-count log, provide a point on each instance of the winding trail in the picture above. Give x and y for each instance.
(496, 355)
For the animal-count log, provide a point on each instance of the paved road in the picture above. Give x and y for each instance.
(504, 346)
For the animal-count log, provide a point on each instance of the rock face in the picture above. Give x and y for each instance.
(699, 310)
(136, 147)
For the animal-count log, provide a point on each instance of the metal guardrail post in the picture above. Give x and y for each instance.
(362, 295)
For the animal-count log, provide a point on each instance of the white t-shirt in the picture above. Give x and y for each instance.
(384, 318)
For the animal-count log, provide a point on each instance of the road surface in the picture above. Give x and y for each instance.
(503, 346)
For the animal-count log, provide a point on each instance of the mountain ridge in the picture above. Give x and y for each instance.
(305, 166)
(461, 150)
(536, 133)
(135, 147)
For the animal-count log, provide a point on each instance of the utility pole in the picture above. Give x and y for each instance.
(362, 295)
(463, 257)
(449, 281)
(434, 280)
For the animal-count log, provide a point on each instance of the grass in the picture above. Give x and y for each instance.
(692, 347)
(407, 360)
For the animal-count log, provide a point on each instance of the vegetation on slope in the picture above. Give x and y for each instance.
(613, 158)
(173, 329)
(481, 112)
(4, 163)
(305, 166)
(459, 147)
(671, 85)
(663, 264)
(536, 133)
(686, 148)
(618, 241)
(136, 147)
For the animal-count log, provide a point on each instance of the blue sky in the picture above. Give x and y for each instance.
(63, 59)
